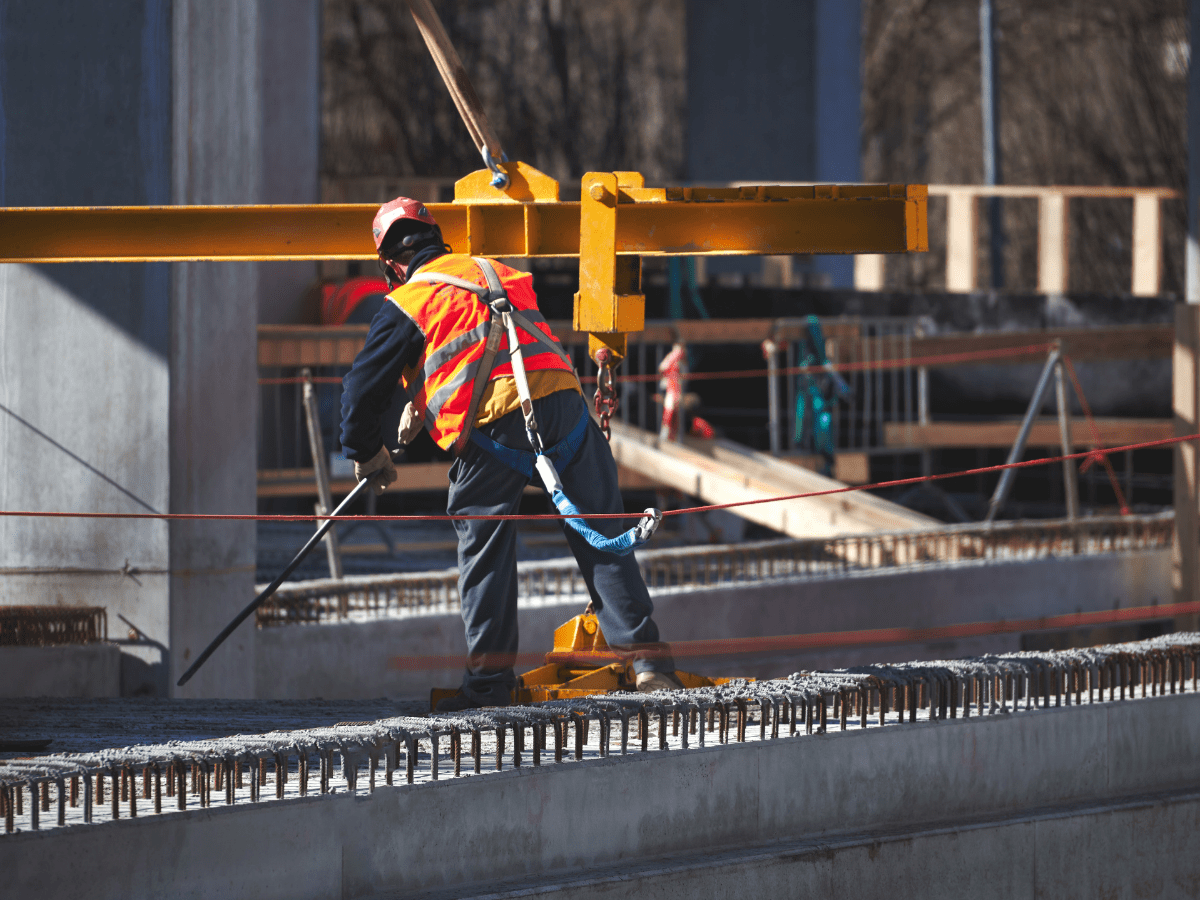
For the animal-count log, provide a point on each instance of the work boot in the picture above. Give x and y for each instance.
(460, 702)
(657, 681)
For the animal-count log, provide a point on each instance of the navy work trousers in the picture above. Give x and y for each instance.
(480, 484)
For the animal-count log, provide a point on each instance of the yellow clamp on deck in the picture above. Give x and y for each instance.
(580, 665)
(616, 222)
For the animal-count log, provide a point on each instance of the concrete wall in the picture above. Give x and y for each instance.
(774, 95)
(84, 350)
(352, 659)
(1044, 803)
(91, 670)
(130, 388)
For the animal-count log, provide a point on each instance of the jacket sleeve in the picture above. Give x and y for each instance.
(394, 342)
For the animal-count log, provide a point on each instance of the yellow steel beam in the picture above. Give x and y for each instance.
(649, 222)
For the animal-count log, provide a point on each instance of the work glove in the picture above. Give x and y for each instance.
(380, 462)
(411, 423)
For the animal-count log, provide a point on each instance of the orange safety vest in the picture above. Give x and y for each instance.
(455, 323)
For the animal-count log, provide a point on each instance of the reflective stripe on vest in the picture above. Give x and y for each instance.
(455, 323)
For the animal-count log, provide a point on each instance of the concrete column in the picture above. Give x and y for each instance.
(838, 89)
(750, 98)
(217, 140)
(84, 349)
(131, 388)
(290, 65)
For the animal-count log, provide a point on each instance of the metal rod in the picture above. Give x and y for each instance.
(1018, 447)
(1070, 482)
(316, 445)
(279, 579)
(989, 103)
(769, 351)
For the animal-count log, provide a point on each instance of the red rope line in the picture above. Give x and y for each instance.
(868, 366)
(1096, 442)
(845, 489)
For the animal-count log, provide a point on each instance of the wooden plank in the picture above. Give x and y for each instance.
(962, 239)
(848, 467)
(1147, 245)
(1113, 433)
(1117, 342)
(869, 272)
(724, 472)
(1050, 190)
(414, 477)
(1054, 244)
(431, 476)
(285, 346)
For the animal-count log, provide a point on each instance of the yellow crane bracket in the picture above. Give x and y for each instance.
(610, 303)
(580, 665)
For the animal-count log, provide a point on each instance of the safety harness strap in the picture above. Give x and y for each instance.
(504, 317)
(522, 461)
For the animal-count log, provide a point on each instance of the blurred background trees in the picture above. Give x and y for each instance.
(1091, 93)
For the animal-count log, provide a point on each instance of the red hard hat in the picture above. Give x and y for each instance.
(395, 210)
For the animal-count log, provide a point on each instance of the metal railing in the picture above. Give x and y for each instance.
(878, 398)
(547, 582)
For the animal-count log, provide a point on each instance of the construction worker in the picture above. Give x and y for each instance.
(433, 337)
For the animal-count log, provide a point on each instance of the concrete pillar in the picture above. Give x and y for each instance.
(216, 158)
(290, 59)
(838, 104)
(774, 95)
(131, 388)
(85, 349)
(750, 90)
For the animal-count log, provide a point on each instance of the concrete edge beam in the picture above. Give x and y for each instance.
(1003, 857)
(596, 813)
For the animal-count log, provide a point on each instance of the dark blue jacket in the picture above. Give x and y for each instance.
(372, 385)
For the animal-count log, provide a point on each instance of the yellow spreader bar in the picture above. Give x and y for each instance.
(769, 220)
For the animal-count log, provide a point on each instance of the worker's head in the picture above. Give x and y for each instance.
(403, 228)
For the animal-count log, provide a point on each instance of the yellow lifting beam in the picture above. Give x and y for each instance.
(616, 222)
